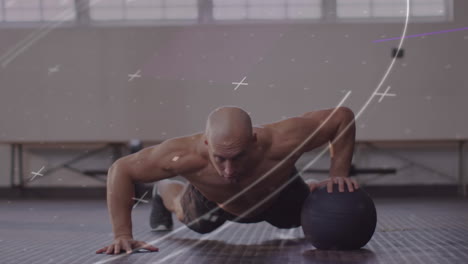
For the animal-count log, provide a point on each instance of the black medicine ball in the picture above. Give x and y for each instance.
(338, 220)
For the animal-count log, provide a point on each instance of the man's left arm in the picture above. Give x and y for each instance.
(341, 152)
(337, 127)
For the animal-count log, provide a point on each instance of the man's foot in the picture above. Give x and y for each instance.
(160, 217)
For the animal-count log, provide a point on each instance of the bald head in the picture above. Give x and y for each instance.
(228, 125)
(231, 141)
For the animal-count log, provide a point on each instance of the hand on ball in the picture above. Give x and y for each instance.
(341, 181)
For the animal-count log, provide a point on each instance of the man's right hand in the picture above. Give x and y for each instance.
(127, 244)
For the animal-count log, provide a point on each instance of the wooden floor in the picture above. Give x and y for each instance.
(408, 231)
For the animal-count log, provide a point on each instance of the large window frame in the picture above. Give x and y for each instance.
(447, 16)
(82, 9)
(43, 11)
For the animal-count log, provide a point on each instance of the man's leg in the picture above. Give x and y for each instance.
(171, 191)
(166, 200)
(286, 211)
(190, 206)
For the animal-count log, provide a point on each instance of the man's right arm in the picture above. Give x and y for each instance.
(147, 165)
(155, 163)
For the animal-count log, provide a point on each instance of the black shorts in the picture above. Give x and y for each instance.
(285, 212)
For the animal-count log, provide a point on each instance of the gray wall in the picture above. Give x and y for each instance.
(188, 70)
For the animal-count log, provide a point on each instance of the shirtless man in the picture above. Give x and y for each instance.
(224, 161)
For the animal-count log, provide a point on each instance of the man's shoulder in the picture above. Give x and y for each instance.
(182, 154)
(284, 130)
(282, 137)
(282, 126)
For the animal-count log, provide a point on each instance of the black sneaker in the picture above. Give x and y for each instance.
(160, 217)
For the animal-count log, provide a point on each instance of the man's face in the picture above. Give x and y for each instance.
(230, 164)
(230, 159)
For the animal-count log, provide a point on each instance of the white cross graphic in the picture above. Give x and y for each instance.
(382, 95)
(36, 173)
(135, 75)
(240, 83)
(140, 200)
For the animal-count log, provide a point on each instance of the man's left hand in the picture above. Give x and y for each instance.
(342, 181)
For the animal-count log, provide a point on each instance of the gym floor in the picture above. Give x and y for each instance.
(412, 230)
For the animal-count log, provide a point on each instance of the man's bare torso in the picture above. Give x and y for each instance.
(272, 163)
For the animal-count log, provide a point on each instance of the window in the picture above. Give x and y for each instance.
(143, 9)
(429, 9)
(266, 9)
(37, 10)
(58, 10)
(212, 11)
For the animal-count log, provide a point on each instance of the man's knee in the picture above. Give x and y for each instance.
(179, 212)
(170, 185)
(171, 192)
